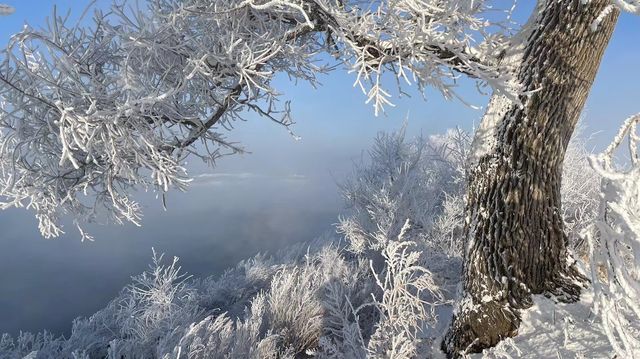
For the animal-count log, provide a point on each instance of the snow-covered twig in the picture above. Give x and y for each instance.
(615, 242)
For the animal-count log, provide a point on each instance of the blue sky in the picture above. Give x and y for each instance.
(284, 191)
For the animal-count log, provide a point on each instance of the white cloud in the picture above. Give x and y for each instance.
(6, 9)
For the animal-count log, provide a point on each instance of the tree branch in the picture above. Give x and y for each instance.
(376, 51)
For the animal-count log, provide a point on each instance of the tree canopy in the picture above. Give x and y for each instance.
(90, 112)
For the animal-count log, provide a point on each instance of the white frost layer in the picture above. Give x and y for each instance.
(556, 330)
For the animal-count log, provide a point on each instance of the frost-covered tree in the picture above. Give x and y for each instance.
(91, 112)
(516, 244)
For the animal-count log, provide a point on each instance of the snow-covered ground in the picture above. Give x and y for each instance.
(556, 330)
(550, 329)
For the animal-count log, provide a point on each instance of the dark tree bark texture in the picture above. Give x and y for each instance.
(515, 241)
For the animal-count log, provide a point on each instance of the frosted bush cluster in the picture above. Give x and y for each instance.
(265, 307)
(317, 300)
(580, 193)
(382, 293)
(417, 180)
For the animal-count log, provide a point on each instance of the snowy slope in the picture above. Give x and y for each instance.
(556, 330)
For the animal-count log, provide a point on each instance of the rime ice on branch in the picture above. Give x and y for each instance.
(91, 113)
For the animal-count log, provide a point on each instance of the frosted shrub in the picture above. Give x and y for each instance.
(222, 337)
(295, 309)
(347, 328)
(152, 306)
(615, 242)
(234, 290)
(289, 317)
(407, 304)
(145, 313)
(28, 345)
(393, 321)
(447, 228)
(580, 193)
(403, 180)
(400, 208)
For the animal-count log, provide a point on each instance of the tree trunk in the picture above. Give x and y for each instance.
(515, 241)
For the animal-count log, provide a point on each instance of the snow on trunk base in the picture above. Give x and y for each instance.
(556, 330)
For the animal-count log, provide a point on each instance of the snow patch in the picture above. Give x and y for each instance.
(555, 330)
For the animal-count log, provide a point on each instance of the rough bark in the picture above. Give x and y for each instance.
(516, 245)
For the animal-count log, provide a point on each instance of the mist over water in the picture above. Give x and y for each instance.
(220, 221)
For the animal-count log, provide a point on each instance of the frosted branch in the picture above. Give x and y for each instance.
(91, 113)
(615, 242)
